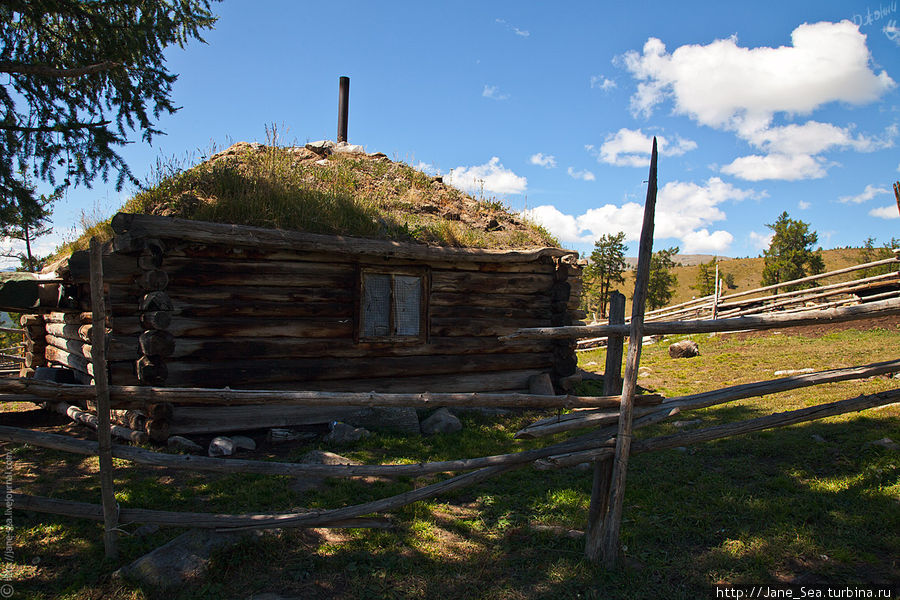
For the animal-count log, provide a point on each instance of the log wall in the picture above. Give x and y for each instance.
(194, 313)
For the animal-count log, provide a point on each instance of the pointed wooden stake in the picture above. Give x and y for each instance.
(101, 383)
(613, 521)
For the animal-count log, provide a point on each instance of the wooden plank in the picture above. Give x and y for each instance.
(450, 327)
(206, 309)
(442, 281)
(274, 239)
(246, 327)
(486, 298)
(119, 347)
(68, 359)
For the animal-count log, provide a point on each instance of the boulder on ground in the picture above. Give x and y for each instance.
(221, 446)
(342, 433)
(442, 421)
(684, 349)
(243, 442)
(182, 444)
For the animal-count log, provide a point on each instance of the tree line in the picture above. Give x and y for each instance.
(790, 255)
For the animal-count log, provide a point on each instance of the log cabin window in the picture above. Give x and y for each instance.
(393, 306)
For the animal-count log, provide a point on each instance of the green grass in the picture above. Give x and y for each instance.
(766, 507)
(281, 187)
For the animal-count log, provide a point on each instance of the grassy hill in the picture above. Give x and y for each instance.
(747, 273)
(321, 190)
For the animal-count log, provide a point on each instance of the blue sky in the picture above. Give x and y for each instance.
(762, 107)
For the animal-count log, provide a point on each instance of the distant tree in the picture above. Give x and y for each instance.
(729, 281)
(662, 283)
(871, 253)
(604, 271)
(77, 75)
(27, 223)
(705, 284)
(790, 255)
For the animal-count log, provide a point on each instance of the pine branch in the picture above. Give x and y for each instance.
(20, 68)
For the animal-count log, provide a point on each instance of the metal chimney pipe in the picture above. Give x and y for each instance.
(343, 108)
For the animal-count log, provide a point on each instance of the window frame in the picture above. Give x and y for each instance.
(424, 273)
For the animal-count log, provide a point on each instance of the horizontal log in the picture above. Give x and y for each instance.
(68, 359)
(220, 419)
(199, 252)
(251, 294)
(810, 317)
(116, 267)
(727, 430)
(118, 347)
(481, 327)
(261, 327)
(275, 239)
(206, 309)
(70, 332)
(211, 349)
(94, 512)
(250, 372)
(482, 282)
(261, 276)
(486, 298)
(587, 418)
(513, 380)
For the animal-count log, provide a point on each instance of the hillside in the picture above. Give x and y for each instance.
(332, 189)
(747, 273)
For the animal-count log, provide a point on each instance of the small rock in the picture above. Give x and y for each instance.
(243, 442)
(345, 148)
(322, 162)
(681, 449)
(684, 349)
(793, 371)
(278, 436)
(221, 446)
(182, 444)
(322, 147)
(442, 421)
(885, 443)
(341, 433)
(817, 438)
(689, 423)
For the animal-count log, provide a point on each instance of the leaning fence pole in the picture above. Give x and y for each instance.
(612, 384)
(613, 521)
(101, 384)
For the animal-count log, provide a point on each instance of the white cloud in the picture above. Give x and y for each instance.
(704, 241)
(602, 83)
(777, 166)
(684, 210)
(494, 93)
(519, 32)
(729, 87)
(761, 241)
(539, 159)
(584, 175)
(425, 167)
(726, 86)
(631, 148)
(867, 194)
(891, 211)
(803, 205)
(492, 176)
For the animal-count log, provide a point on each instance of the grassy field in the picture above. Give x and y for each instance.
(812, 504)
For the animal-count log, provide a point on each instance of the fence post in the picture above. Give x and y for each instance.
(613, 521)
(101, 384)
(612, 384)
(343, 108)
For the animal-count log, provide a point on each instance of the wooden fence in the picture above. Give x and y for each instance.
(610, 421)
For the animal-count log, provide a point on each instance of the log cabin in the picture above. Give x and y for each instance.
(201, 304)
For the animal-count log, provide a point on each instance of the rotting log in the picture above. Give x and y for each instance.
(151, 370)
(872, 310)
(157, 343)
(69, 359)
(727, 430)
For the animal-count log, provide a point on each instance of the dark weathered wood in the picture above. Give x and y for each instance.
(153, 301)
(155, 319)
(612, 384)
(444, 281)
(118, 347)
(539, 302)
(157, 343)
(234, 327)
(70, 332)
(809, 317)
(116, 267)
(101, 385)
(153, 280)
(159, 429)
(273, 239)
(273, 310)
(609, 546)
(474, 326)
(151, 370)
(68, 359)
